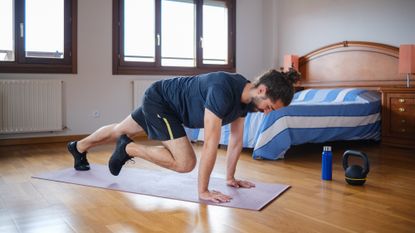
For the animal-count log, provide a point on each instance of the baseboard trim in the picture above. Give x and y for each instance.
(39, 140)
(50, 139)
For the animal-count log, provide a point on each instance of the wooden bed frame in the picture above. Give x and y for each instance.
(351, 64)
(371, 66)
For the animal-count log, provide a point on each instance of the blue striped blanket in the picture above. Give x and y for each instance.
(314, 116)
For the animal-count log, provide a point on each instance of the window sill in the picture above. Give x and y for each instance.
(38, 68)
(168, 70)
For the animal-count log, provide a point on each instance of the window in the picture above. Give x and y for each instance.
(178, 32)
(139, 27)
(173, 36)
(38, 36)
(6, 30)
(215, 32)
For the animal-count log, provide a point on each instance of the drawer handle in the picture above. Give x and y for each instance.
(401, 100)
(401, 109)
(403, 130)
(403, 121)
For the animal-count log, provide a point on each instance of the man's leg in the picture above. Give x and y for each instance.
(105, 135)
(176, 154)
(109, 134)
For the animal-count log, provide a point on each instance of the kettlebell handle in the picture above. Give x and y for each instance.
(362, 155)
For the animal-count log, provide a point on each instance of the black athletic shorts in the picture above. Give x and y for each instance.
(157, 118)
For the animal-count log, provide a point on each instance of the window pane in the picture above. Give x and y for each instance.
(44, 28)
(215, 32)
(139, 30)
(6, 30)
(178, 33)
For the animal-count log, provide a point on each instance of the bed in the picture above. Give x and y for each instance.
(341, 100)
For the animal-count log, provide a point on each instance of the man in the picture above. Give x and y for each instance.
(204, 101)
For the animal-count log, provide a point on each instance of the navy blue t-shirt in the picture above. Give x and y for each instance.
(220, 92)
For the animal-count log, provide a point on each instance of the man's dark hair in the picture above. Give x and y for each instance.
(280, 84)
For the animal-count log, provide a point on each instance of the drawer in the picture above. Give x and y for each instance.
(398, 117)
(403, 110)
(407, 130)
(404, 100)
(402, 115)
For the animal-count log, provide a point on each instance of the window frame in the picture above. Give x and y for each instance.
(23, 64)
(119, 66)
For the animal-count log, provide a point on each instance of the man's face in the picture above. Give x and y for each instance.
(265, 105)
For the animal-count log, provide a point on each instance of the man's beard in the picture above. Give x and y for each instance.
(253, 105)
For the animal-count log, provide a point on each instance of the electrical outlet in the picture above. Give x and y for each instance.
(96, 114)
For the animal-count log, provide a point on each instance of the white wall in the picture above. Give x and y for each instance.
(270, 32)
(305, 25)
(251, 41)
(266, 30)
(94, 88)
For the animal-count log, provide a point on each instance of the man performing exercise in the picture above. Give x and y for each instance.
(204, 101)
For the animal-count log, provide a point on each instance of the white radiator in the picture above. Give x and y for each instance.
(139, 87)
(30, 106)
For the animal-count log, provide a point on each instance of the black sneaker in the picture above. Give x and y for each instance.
(81, 163)
(119, 156)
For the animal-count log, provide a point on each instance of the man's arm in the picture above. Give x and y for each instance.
(207, 161)
(233, 153)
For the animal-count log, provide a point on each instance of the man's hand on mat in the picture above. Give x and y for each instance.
(214, 196)
(240, 183)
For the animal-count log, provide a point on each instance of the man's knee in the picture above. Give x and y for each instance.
(186, 166)
(127, 126)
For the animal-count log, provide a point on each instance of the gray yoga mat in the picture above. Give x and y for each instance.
(167, 184)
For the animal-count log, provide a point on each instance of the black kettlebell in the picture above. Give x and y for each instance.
(355, 174)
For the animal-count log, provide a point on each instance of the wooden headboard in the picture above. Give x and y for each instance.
(351, 64)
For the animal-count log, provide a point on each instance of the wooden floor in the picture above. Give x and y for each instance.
(385, 204)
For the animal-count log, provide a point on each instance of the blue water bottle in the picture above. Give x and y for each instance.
(326, 163)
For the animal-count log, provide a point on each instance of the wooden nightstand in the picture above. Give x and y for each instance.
(398, 117)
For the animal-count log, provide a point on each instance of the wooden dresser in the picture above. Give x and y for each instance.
(398, 117)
